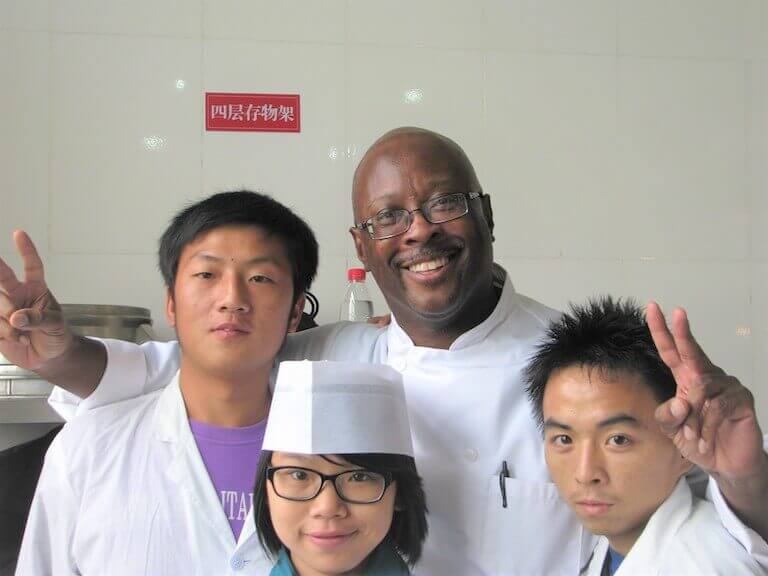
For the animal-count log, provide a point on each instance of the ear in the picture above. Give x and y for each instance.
(170, 308)
(359, 237)
(296, 311)
(485, 199)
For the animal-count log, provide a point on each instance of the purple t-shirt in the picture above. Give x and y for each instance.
(231, 456)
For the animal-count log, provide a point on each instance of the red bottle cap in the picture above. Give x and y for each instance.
(356, 274)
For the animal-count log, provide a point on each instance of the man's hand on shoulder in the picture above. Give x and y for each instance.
(381, 321)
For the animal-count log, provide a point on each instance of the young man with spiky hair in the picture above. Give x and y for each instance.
(163, 484)
(595, 382)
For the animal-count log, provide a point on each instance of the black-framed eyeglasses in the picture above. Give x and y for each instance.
(353, 486)
(395, 221)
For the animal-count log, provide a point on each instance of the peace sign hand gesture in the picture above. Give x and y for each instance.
(712, 419)
(32, 327)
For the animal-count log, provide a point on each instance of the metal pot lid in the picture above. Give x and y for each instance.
(105, 314)
(84, 316)
(105, 310)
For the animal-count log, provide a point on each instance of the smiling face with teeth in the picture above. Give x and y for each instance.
(437, 278)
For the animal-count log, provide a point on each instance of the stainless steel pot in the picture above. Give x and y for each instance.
(105, 321)
(23, 393)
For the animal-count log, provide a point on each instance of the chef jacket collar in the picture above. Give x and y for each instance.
(170, 422)
(661, 528)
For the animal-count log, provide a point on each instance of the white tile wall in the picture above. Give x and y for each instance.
(584, 27)
(757, 159)
(24, 135)
(623, 142)
(423, 23)
(716, 29)
(759, 334)
(682, 157)
(176, 18)
(762, 51)
(550, 135)
(125, 139)
(285, 21)
(544, 278)
(24, 14)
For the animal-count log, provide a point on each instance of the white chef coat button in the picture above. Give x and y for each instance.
(237, 563)
(470, 454)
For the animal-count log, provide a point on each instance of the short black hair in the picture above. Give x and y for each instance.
(409, 524)
(242, 208)
(607, 334)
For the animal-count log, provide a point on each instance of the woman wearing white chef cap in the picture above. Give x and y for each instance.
(337, 490)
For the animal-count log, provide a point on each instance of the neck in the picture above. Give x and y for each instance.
(303, 569)
(441, 333)
(226, 400)
(622, 543)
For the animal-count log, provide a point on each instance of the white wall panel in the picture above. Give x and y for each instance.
(25, 14)
(682, 158)
(759, 334)
(24, 136)
(762, 47)
(550, 141)
(544, 279)
(757, 160)
(584, 27)
(125, 139)
(712, 29)
(284, 21)
(177, 18)
(424, 23)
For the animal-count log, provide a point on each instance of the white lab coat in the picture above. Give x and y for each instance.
(469, 412)
(124, 492)
(684, 537)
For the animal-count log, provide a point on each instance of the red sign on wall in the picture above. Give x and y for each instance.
(230, 112)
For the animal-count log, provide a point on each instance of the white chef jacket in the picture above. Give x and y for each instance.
(684, 537)
(124, 492)
(469, 413)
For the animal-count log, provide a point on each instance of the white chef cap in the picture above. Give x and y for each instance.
(338, 408)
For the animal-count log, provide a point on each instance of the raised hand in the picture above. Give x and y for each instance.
(712, 419)
(32, 328)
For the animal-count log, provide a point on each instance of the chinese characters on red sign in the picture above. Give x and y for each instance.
(252, 112)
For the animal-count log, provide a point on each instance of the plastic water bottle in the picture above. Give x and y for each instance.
(357, 306)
